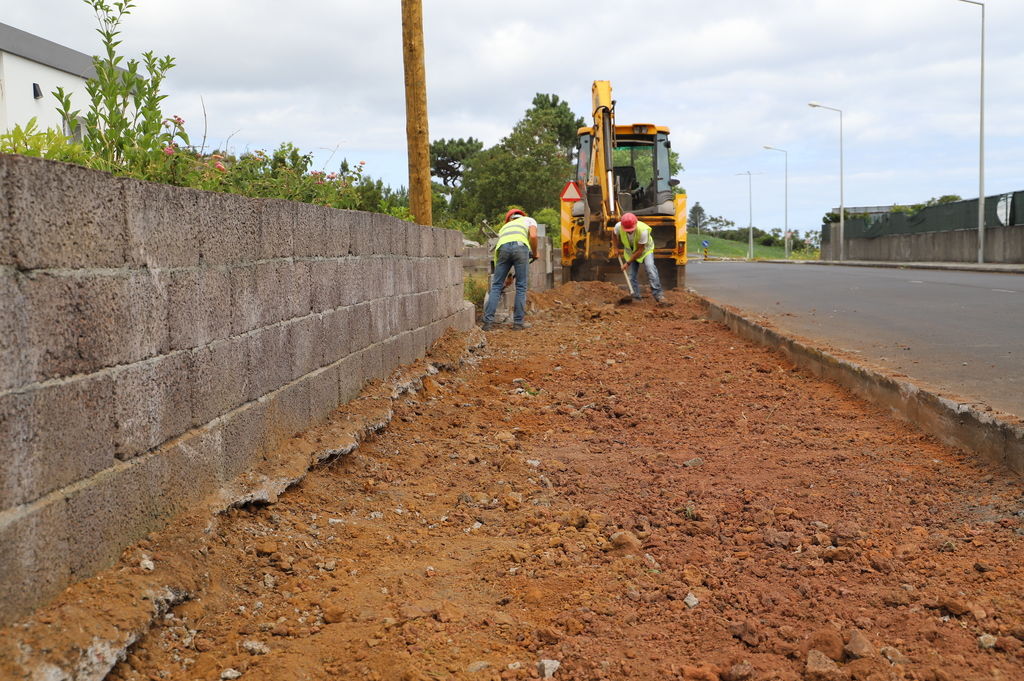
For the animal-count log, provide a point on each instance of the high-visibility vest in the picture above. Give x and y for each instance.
(517, 230)
(629, 245)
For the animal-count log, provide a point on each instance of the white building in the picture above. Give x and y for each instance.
(31, 68)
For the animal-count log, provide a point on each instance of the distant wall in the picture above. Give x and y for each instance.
(156, 341)
(1002, 245)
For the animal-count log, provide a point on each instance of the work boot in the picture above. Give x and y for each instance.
(663, 303)
(520, 326)
(487, 326)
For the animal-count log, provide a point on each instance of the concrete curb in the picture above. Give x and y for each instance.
(956, 424)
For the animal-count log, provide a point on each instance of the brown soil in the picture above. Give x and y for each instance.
(630, 491)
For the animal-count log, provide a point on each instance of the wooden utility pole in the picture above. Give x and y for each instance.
(416, 112)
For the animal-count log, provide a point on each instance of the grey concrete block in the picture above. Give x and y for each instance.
(390, 355)
(81, 323)
(233, 230)
(304, 341)
(273, 292)
(407, 275)
(112, 511)
(184, 308)
(54, 435)
(350, 378)
(311, 230)
(219, 374)
(407, 351)
(152, 403)
(454, 271)
(270, 359)
(455, 245)
(398, 238)
(246, 305)
(246, 439)
(277, 228)
(215, 303)
(35, 562)
(323, 284)
(356, 284)
(290, 411)
(301, 288)
(420, 342)
(336, 334)
(362, 236)
(63, 215)
(337, 234)
(165, 224)
(16, 356)
(378, 321)
(361, 328)
(414, 241)
(189, 469)
(324, 390)
(370, 364)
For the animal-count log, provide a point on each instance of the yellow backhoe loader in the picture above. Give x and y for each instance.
(622, 169)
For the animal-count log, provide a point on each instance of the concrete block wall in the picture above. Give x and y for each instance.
(156, 341)
(1002, 245)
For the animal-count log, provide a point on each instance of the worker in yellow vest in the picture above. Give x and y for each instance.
(515, 250)
(637, 245)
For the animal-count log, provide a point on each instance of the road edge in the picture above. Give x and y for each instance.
(957, 424)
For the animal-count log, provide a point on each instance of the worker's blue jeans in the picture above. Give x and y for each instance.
(652, 277)
(517, 255)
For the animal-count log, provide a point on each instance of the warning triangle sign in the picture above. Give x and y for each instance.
(571, 192)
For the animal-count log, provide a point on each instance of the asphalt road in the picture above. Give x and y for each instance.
(961, 333)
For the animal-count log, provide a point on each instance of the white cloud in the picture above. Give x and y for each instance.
(728, 77)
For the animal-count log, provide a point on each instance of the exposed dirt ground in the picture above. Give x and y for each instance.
(633, 493)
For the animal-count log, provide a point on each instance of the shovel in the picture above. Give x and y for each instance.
(629, 285)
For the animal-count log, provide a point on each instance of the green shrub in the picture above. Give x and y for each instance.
(474, 288)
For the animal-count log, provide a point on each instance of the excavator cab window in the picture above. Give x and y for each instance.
(635, 171)
(584, 143)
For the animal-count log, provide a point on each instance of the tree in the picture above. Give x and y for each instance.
(716, 225)
(527, 168)
(448, 158)
(560, 118)
(698, 218)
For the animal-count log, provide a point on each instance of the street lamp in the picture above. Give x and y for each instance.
(981, 141)
(842, 205)
(786, 192)
(750, 223)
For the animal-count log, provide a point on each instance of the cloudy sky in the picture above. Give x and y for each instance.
(728, 77)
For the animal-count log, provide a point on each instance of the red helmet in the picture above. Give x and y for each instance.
(514, 212)
(628, 222)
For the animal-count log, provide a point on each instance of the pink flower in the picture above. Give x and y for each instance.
(169, 150)
(219, 166)
(179, 120)
(362, 163)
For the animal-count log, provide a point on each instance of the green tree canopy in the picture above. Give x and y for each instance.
(698, 218)
(448, 158)
(560, 118)
(527, 168)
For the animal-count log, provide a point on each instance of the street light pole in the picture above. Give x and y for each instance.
(842, 202)
(750, 222)
(786, 192)
(981, 141)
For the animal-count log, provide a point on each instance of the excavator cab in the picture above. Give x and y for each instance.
(622, 169)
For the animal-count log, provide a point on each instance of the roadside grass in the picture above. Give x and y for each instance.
(474, 288)
(726, 248)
